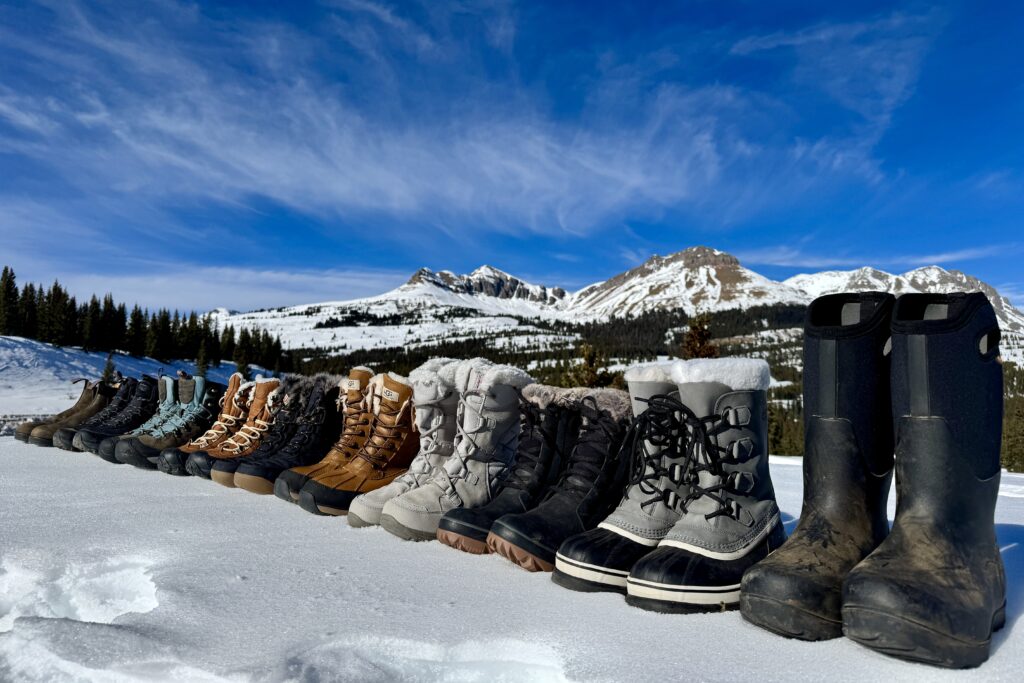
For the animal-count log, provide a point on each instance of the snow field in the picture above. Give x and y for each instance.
(109, 573)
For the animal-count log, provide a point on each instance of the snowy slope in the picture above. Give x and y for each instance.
(492, 304)
(115, 574)
(35, 378)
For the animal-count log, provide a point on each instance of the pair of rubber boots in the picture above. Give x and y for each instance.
(700, 507)
(376, 445)
(917, 376)
(94, 399)
(467, 416)
(133, 405)
(186, 408)
(305, 421)
(568, 475)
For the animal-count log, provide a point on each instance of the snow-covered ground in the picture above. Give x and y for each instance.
(35, 378)
(109, 573)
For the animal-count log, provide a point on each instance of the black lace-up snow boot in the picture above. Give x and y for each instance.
(935, 589)
(848, 457)
(548, 430)
(729, 518)
(317, 427)
(600, 559)
(288, 405)
(64, 436)
(590, 486)
(143, 404)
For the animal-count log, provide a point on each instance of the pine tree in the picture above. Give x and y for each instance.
(135, 337)
(10, 318)
(201, 361)
(92, 325)
(227, 342)
(108, 368)
(28, 309)
(697, 341)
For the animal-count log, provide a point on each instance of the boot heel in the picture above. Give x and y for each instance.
(999, 619)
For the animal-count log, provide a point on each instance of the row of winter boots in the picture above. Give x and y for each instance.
(918, 377)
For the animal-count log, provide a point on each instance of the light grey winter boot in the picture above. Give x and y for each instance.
(485, 446)
(435, 406)
(600, 559)
(729, 519)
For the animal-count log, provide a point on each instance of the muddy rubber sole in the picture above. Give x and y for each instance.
(789, 621)
(463, 543)
(254, 484)
(393, 526)
(905, 639)
(517, 555)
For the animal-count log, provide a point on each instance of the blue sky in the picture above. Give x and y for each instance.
(261, 154)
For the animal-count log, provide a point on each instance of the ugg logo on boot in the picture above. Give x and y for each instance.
(390, 394)
(351, 385)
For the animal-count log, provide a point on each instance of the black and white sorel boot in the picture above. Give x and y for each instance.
(729, 519)
(600, 559)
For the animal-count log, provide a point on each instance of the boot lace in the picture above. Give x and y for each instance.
(588, 456)
(307, 431)
(532, 439)
(250, 433)
(420, 470)
(455, 468)
(224, 424)
(383, 442)
(356, 419)
(663, 426)
(706, 456)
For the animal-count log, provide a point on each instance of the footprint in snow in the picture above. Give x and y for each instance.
(94, 592)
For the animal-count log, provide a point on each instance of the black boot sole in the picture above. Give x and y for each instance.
(173, 468)
(666, 607)
(21, 437)
(904, 639)
(195, 470)
(284, 492)
(38, 441)
(579, 585)
(788, 620)
(308, 503)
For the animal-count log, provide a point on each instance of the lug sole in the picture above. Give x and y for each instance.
(787, 620)
(223, 478)
(912, 641)
(64, 444)
(393, 526)
(254, 484)
(463, 543)
(517, 555)
(39, 441)
(21, 437)
(671, 599)
(358, 522)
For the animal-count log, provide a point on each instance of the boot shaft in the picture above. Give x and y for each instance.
(488, 417)
(435, 408)
(549, 428)
(947, 389)
(355, 415)
(390, 400)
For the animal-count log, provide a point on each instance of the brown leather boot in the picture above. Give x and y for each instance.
(234, 410)
(387, 454)
(357, 425)
(248, 437)
(89, 390)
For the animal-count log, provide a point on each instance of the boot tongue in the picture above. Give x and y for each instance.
(198, 390)
(186, 391)
(355, 385)
(701, 397)
(162, 390)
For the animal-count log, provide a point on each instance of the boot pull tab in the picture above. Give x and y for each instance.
(988, 343)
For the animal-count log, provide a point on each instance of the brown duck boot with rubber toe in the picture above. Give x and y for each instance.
(248, 438)
(22, 431)
(387, 454)
(234, 410)
(357, 424)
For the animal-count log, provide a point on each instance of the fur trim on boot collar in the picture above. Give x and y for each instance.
(435, 371)
(650, 372)
(465, 367)
(739, 374)
(614, 402)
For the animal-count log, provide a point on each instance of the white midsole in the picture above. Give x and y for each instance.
(693, 595)
(590, 572)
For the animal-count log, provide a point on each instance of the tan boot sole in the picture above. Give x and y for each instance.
(517, 555)
(463, 543)
(223, 478)
(254, 484)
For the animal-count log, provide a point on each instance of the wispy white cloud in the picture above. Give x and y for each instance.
(798, 257)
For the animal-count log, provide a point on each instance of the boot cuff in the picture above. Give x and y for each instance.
(924, 313)
(543, 395)
(614, 402)
(649, 372)
(849, 314)
(740, 374)
(507, 374)
(435, 370)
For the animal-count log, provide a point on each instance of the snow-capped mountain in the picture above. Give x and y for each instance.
(436, 306)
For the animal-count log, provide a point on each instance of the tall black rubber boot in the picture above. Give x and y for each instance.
(848, 457)
(935, 589)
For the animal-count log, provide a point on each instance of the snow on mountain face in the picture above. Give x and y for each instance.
(696, 279)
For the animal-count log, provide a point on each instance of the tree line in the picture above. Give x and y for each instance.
(52, 315)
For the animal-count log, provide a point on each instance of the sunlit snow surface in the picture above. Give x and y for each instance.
(109, 573)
